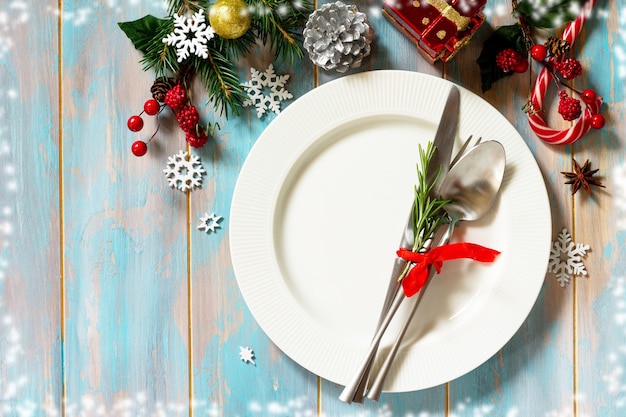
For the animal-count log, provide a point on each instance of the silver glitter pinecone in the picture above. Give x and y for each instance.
(338, 36)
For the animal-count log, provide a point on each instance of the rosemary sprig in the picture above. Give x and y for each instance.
(429, 211)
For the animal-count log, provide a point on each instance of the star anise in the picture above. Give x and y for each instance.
(582, 177)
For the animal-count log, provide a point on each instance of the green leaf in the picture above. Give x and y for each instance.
(544, 14)
(142, 32)
(504, 37)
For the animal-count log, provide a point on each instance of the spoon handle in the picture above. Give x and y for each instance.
(392, 292)
(377, 386)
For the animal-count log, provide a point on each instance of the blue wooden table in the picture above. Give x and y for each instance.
(113, 304)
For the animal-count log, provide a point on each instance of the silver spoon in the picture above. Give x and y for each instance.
(472, 184)
(355, 390)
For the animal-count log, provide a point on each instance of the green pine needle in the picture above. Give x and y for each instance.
(185, 6)
(221, 81)
(158, 56)
(280, 23)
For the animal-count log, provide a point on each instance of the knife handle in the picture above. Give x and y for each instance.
(348, 393)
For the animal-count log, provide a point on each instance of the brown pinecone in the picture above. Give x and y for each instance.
(557, 46)
(160, 87)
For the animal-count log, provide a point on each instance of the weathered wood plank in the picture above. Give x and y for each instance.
(126, 316)
(221, 321)
(126, 275)
(390, 50)
(537, 361)
(30, 314)
(599, 222)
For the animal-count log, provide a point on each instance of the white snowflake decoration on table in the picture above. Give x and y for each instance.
(259, 84)
(209, 222)
(566, 258)
(190, 36)
(183, 171)
(246, 354)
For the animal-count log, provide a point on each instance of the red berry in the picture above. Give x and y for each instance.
(188, 118)
(197, 140)
(176, 98)
(508, 59)
(538, 52)
(569, 107)
(570, 68)
(135, 123)
(589, 96)
(139, 148)
(151, 107)
(597, 121)
(521, 67)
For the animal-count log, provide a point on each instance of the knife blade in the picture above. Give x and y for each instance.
(444, 139)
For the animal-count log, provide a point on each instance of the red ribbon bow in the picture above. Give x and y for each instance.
(417, 276)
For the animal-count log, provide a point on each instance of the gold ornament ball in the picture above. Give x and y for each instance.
(230, 19)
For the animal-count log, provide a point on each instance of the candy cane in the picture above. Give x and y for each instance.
(535, 118)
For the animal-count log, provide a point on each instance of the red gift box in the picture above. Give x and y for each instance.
(438, 27)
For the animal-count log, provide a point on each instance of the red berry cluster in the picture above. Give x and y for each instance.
(186, 115)
(135, 124)
(569, 107)
(176, 97)
(510, 60)
(568, 69)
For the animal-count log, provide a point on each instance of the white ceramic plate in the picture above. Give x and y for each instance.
(317, 216)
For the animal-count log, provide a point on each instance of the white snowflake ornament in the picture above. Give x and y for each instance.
(246, 354)
(566, 258)
(184, 172)
(209, 222)
(266, 90)
(190, 36)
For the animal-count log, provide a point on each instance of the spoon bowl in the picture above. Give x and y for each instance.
(474, 181)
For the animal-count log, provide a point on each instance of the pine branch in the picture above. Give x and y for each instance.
(236, 47)
(281, 22)
(547, 14)
(162, 59)
(221, 81)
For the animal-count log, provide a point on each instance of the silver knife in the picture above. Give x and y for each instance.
(443, 143)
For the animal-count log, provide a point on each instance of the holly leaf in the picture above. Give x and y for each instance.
(141, 32)
(502, 38)
(548, 14)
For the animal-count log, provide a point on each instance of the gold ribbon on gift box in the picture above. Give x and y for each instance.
(449, 13)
